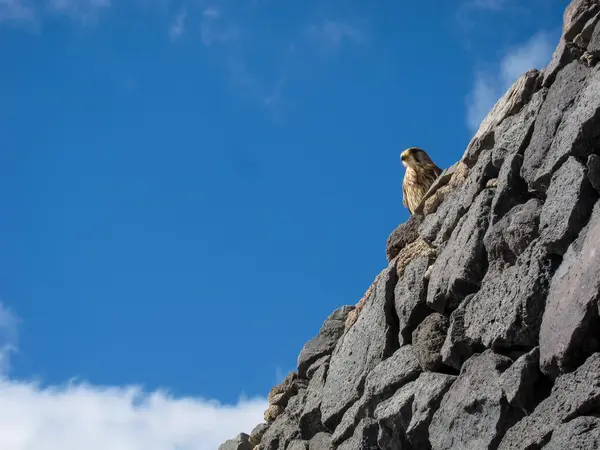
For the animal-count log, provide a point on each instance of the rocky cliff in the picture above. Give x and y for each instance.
(483, 332)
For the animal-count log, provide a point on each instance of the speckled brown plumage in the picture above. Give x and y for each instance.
(420, 174)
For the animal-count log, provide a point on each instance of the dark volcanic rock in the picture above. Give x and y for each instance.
(567, 207)
(364, 438)
(578, 126)
(593, 168)
(310, 419)
(594, 45)
(506, 312)
(409, 298)
(240, 442)
(508, 238)
(406, 416)
(437, 228)
(324, 343)
(321, 441)
(565, 53)
(576, 15)
(459, 268)
(519, 380)
(569, 331)
(574, 394)
(514, 132)
(428, 340)
(405, 234)
(385, 379)
(570, 83)
(353, 359)
(511, 189)
(582, 433)
(298, 445)
(257, 434)
(474, 414)
(280, 433)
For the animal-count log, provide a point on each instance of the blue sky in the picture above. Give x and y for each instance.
(189, 188)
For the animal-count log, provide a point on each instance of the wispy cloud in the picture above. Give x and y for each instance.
(330, 35)
(84, 12)
(16, 11)
(178, 25)
(490, 5)
(79, 415)
(489, 86)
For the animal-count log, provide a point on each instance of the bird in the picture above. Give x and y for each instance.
(420, 174)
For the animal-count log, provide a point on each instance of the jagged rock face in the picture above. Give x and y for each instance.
(483, 332)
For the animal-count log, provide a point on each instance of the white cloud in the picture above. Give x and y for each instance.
(211, 12)
(178, 26)
(489, 87)
(77, 416)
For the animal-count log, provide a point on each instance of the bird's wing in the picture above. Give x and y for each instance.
(404, 202)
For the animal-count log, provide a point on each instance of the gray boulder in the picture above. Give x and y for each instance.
(474, 413)
(428, 340)
(458, 270)
(573, 394)
(240, 442)
(582, 433)
(569, 330)
(409, 298)
(352, 360)
(324, 343)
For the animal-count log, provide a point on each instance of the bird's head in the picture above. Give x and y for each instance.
(413, 157)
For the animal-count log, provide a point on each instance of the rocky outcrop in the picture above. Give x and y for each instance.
(482, 331)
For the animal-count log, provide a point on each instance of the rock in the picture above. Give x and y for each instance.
(458, 270)
(507, 239)
(569, 330)
(298, 445)
(406, 416)
(443, 186)
(576, 15)
(273, 412)
(519, 380)
(437, 228)
(569, 83)
(565, 53)
(506, 312)
(310, 372)
(576, 134)
(324, 343)
(458, 347)
(583, 39)
(364, 438)
(594, 45)
(352, 360)
(593, 169)
(567, 207)
(280, 394)
(393, 417)
(511, 190)
(574, 394)
(406, 233)
(409, 298)
(257, 434)
(511, 103)
(582, 433)
(416, 250)
(385, 379)
(321, 441)
(281, 432)
(310, 419)
(240, 442)
(474, 413)
(428, 340)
